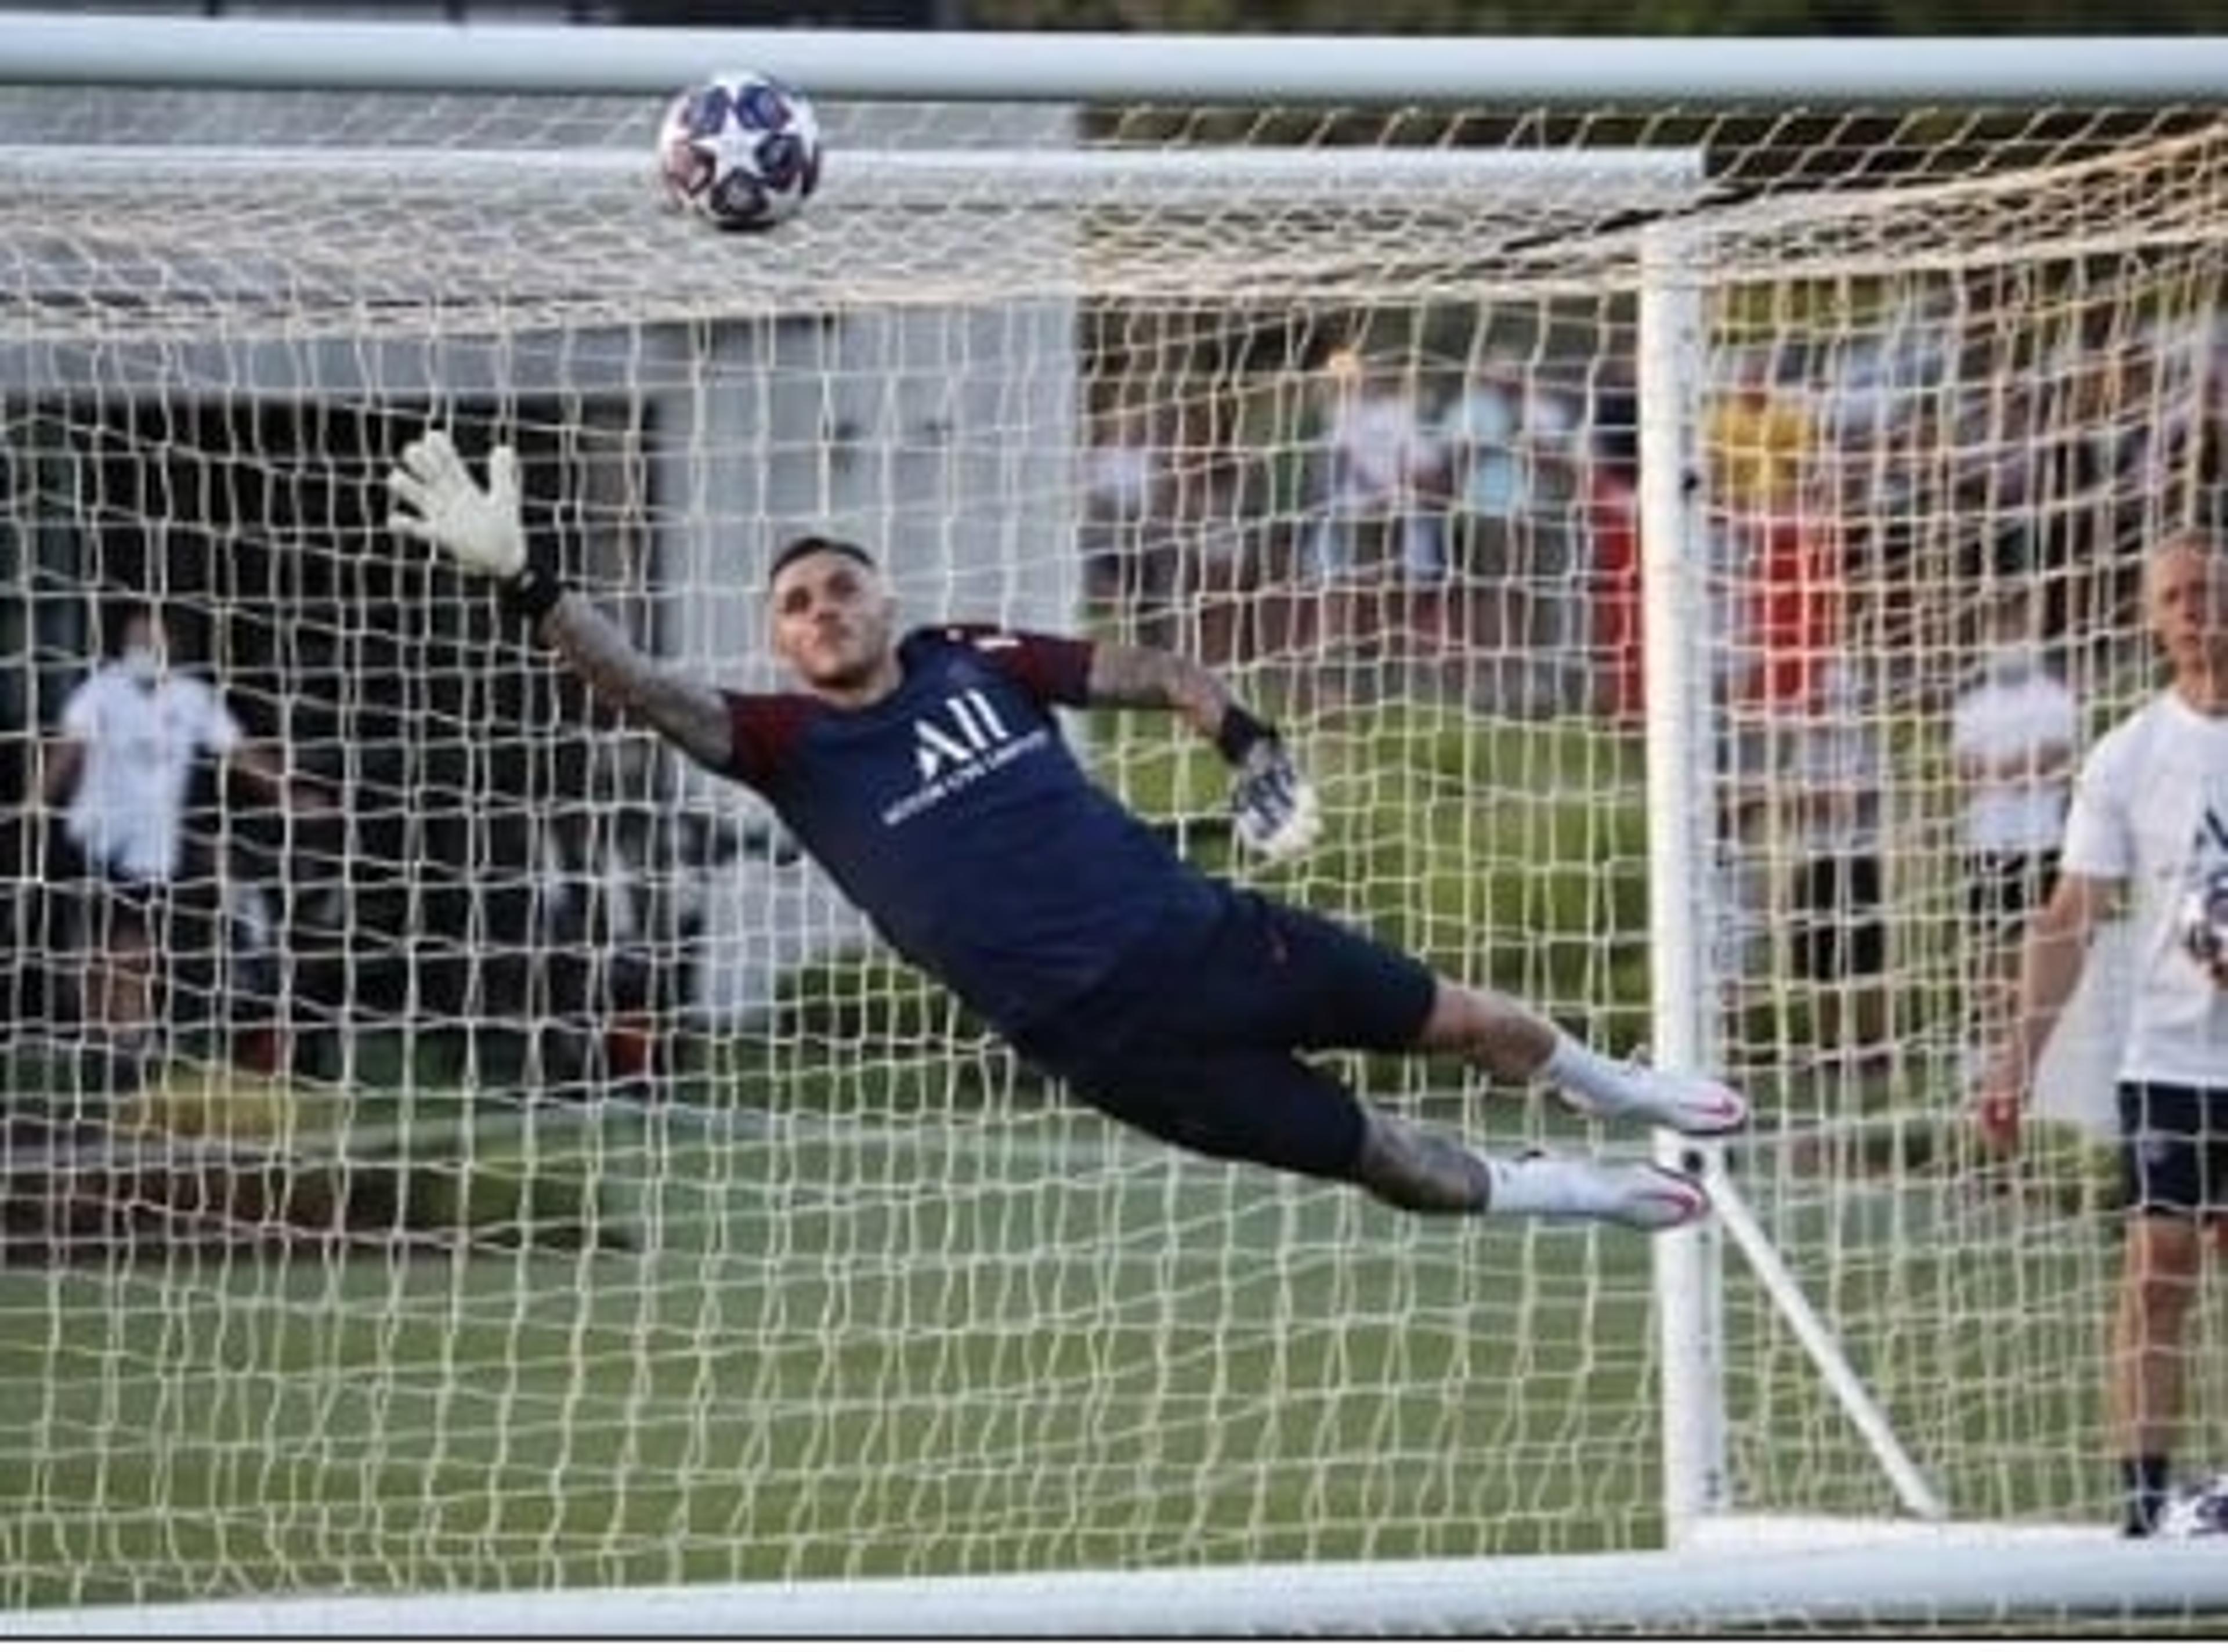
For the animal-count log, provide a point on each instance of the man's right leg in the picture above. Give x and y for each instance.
(2157, 1283)
(1507, 1040)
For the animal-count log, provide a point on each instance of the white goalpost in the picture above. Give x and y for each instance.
(540, 1206)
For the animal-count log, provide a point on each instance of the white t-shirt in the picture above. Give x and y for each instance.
(140, 743)
(2011, 717)
(2150, 808)
(1379, 445)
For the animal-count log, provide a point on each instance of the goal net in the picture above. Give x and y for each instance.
(523, 1177)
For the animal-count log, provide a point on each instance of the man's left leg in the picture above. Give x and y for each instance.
(1263, 1107)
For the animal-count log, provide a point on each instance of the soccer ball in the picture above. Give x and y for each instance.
(2197, 1509)
(739, 151)
(2203, 920)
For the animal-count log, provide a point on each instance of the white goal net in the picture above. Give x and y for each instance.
(525, 1175)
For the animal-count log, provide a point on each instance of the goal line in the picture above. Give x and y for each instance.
(1833, 1576)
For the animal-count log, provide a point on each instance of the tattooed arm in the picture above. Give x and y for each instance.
(1154, 679)
(438, 500)
(690, 714)
(1272, 807)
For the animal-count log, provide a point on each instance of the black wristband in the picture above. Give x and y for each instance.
(533, 592)
(1239, 732)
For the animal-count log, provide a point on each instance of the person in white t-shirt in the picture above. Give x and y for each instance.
(1379, 461)
(122, 767)
(2149, 824)
(2011, 735)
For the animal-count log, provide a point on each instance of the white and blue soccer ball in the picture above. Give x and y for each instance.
(2197, 1508)
(740, 150)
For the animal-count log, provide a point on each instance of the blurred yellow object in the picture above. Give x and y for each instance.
(204, 1100)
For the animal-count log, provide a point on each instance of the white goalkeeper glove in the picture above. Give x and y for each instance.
(479, 527)
(1272, 805)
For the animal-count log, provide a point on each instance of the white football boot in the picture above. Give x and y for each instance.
(1650, 1198)
(1689, 1103)
(1647, 1198)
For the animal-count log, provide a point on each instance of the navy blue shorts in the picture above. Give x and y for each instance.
(2174, 1150)
(1193, 1037)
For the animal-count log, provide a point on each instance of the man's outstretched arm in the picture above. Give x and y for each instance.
(1152, 679)
(691, 713)
(1271, 804)
(437, 502)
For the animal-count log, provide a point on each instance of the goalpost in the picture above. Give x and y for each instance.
(542, 1207)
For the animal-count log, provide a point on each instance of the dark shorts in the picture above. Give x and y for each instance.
(2174, 1150)
(104, 909)
(1192, 1038)
(1839, 932)
(2003, 891)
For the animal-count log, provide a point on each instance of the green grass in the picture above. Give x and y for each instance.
(828, 1354)
(832, 1349)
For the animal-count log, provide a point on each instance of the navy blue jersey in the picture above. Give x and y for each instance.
(953, 814)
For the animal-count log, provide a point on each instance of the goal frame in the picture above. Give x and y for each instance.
(60, 48)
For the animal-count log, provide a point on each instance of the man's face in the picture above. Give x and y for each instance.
(145, 649)
(2189, 607)
(832, 620)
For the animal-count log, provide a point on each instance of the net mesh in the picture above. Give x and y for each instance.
(528, 1174)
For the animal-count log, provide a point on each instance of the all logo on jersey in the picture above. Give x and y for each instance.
(963, 741)
(970, 727)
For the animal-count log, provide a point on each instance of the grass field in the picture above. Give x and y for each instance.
(833, 1348)
(829, 1352)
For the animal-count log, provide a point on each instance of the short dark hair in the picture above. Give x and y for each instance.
(813, 544)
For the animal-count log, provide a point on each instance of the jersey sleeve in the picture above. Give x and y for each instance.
(763, 729)
(2099, 835)
(1056, 670)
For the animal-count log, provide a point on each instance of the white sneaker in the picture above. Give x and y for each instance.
(1649, 1198)
(1643, 1197)
(1686, 1102)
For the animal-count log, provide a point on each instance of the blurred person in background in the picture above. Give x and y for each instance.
(1378, 543)
(2147, 835)
(121, 768)
(2013, 731)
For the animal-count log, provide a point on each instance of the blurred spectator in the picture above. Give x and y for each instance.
(2012, 736)
(123, 763)
(1780, 609)
(1616, 422)
(1129, 558)
(1553, 582)
(1839, 888)
(1512, 457)
(1378, 464)
(1757, 440)
(1613, 532)
(1477, 437)
(1218, 516)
